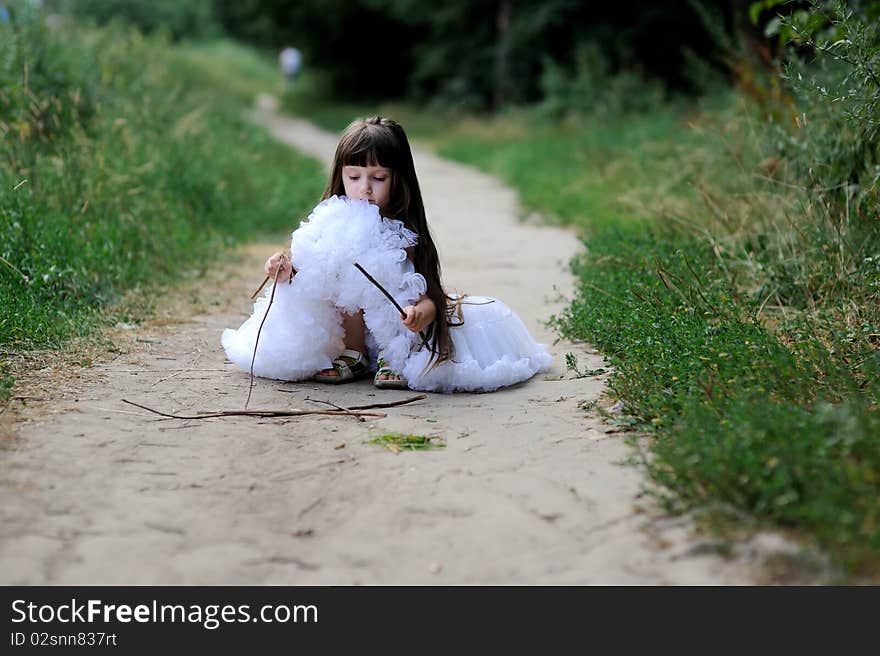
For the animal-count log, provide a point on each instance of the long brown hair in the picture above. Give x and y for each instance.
(380, 141)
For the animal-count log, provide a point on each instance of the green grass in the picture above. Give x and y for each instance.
(740, 317)
(229, 68)
(308, 98)
(406, 442)
(787, 432)
(126, 166)
(6, 382)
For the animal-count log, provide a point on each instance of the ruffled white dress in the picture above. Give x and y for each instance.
(302, 332)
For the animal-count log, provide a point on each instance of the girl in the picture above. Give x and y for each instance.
(329, 323)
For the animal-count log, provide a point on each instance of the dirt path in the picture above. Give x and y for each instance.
(527, 490)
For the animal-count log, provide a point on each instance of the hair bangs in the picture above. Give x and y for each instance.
(370, 147)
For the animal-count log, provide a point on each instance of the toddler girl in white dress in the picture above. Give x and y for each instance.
(329, 323)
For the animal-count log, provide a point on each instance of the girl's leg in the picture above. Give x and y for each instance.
(355, 337)
(387, 374)
(355, 332)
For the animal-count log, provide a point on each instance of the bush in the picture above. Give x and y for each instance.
(818, 251)
(591, 89)
(833, 69)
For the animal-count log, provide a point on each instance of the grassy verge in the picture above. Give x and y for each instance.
(126, 164)
(741, 317)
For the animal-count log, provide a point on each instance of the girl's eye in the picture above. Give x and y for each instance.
(352, 177)
(379, 179)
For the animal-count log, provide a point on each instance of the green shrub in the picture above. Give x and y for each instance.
(835, 144)
(190, 19)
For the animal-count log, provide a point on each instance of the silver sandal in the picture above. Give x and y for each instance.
(389, 383)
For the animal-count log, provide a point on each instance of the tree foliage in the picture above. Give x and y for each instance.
(476, 55)
(364, 52)
(192, 19)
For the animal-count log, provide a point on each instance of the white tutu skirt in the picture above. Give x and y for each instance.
(302, 331)
(491, 348)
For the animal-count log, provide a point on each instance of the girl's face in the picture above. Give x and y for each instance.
(370, 183)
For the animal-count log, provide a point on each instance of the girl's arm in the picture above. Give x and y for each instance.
(420, 315)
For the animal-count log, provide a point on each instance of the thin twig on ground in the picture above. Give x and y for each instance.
(256, 413)
(370, 406)
(346, 410)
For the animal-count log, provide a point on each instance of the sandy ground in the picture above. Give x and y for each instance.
(528, 489)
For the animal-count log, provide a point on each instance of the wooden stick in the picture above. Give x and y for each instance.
(267, 278)
(370, 406)
(259, 330)
(381, 289)
(389, 297)
(260, 288)
(346, 410)
(258, 413)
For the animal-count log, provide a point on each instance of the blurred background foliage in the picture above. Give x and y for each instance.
(473, 55)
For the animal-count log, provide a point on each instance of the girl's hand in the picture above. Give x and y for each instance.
(419, 316)
(279, 260)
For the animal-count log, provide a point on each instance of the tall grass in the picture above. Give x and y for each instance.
(124, 165)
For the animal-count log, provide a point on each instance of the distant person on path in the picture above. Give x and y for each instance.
(291, 61)
(328, 323)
